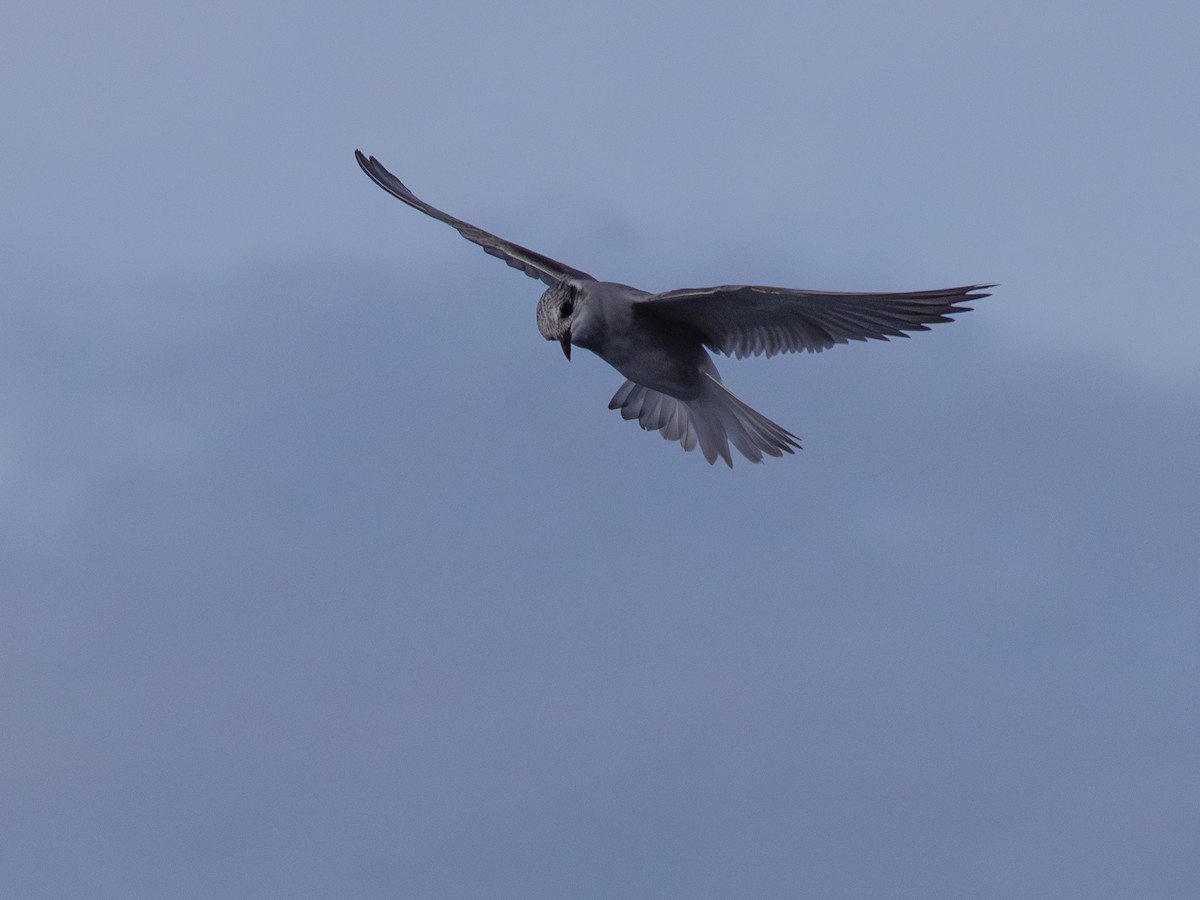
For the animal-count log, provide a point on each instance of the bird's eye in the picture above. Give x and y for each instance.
(566, 308)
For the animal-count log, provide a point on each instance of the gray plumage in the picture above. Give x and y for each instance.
(658, 341)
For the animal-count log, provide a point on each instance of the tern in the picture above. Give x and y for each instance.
(661, 342)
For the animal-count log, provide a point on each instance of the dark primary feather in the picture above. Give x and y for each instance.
(548, 270)
(748, 320)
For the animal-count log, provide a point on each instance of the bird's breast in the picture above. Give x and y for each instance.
(655, 354)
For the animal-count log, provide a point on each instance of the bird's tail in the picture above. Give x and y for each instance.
(713, 420)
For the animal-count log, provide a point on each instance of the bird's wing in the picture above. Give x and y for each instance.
(747, 320)
(532, 264)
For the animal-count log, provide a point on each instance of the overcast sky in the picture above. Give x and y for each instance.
(323, 575)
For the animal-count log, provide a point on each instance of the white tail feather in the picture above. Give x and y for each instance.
(713, 420)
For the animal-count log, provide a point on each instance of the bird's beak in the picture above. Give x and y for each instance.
(566, 345)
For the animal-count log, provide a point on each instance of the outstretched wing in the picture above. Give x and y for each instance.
(534, 265)
(747, 320)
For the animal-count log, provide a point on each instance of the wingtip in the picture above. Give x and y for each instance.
(369, 163)
(364, 162)
(379, 173)
(967, 294)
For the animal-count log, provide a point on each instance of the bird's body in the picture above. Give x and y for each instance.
(611, 321)
(672, 385)
(658, 341)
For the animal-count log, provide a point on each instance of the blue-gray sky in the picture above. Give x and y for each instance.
(324, 575)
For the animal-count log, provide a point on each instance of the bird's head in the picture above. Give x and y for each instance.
(555, 313)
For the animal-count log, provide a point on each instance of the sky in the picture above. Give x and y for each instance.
(323, 574)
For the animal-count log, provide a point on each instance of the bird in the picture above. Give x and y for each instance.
(660, 342)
